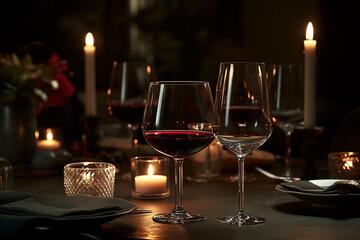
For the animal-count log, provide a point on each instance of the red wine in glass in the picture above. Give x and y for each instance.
(177, 122)
(127, 112)
(179, 143)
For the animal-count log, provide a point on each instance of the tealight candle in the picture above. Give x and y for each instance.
(344, 165)
(150, 183)
(49, 143)
(149, 177)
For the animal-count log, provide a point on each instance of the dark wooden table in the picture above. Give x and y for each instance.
(286, 216)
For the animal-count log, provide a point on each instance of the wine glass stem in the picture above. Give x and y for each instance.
(287, 153)
(179, 162)
(241, 173)
(134, 143)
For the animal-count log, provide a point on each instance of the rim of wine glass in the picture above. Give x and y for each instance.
(286, 64)
(242, 63)
(133, 61)
(179, 82)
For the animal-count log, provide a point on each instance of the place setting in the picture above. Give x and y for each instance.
(342, 190)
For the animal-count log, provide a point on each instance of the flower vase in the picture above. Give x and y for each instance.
(17, 131)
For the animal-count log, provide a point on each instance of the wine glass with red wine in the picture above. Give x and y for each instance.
(172, 109)
(127, 94)
(242, 121)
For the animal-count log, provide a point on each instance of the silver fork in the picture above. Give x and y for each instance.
(273, 176)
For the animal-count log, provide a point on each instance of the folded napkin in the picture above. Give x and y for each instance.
(340, 187)
(18, 209)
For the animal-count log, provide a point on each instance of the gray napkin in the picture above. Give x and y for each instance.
(341, 187)
(18, 209)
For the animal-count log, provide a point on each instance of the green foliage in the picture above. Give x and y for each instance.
(20, 78)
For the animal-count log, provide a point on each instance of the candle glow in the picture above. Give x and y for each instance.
(309, 31)
(49, 143)
(150, 183)
(89, 39)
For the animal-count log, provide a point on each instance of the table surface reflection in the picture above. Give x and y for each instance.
(286, 216)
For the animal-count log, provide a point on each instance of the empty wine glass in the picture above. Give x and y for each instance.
(286, 87)
(127, 94)
(172, 110)
(242, 121)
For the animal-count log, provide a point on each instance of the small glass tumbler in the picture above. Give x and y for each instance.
(206, 164)
(150, 177)
(344, 165)
(89, 178)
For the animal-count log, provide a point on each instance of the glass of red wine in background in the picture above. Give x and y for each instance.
(286, 87)
(171, 110)
(127, 94)
(242, 121)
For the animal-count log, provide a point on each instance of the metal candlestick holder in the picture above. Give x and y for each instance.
(308, 150)
(91, 136)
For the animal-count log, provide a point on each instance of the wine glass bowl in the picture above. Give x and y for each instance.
(127, 93)
(177, 122)
(242, 121)
(286, 90)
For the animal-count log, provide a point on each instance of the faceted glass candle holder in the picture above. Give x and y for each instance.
(150, 177)
(344, 165)
(89, 178)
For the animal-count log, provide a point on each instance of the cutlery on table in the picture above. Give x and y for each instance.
(273, 176)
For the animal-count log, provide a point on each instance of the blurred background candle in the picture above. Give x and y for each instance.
(309, 75)
(49, 143)
(90, 82)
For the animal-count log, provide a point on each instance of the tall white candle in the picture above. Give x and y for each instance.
(309, 75)
(90, 82)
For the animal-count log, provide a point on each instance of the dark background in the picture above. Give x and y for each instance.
(188, 39)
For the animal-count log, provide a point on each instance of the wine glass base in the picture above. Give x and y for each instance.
(178, 218)
(241, 219)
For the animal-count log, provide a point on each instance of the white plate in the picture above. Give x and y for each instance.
(322, 199)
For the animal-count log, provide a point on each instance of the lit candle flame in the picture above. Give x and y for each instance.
(49, 134)
(89, 39)
(309, 31)
(150, 170)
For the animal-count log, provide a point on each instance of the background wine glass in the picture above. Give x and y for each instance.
(286, 87)
(127, 94)
(171, 111)
(242, 121)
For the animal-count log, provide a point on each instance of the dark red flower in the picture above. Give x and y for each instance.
(66, 88)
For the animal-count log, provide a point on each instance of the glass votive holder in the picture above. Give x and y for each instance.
(344, 165)
(150, 177)
(48, 138)
(89, 178)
